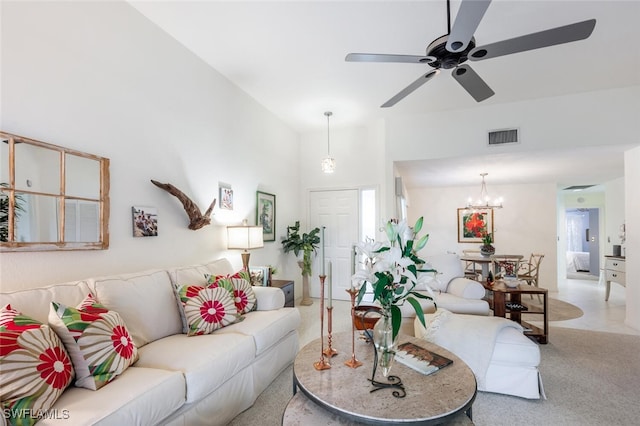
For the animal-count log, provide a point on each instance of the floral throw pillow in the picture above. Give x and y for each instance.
(239, 286)
(36, 368)
(207, 309)
(97, 339)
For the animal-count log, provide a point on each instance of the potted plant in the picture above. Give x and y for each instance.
(487, 249)
(305, 244)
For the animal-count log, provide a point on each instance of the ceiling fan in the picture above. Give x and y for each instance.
(452, 50)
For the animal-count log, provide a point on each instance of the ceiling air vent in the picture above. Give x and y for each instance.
(577, 187)
(501, 137)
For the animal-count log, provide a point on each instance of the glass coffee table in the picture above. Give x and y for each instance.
(341, 395)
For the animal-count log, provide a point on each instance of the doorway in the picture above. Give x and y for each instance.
(583, 242)
(338, 212)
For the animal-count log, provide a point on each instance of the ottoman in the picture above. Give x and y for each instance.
(502, 358)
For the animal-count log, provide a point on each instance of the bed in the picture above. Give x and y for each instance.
(577, 261)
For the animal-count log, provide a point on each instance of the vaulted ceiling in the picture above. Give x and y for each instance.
(290, 55)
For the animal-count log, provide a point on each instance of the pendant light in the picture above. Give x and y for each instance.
(328, 163)
(484, 202)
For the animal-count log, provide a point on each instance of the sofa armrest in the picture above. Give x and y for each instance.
(268, 298)
(466, 288)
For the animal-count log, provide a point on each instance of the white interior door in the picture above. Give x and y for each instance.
(337, 211)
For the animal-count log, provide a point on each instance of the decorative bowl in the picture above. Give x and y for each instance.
(365, 317)
(511, 282)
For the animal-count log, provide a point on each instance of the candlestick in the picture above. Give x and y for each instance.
(322, 250)
(329, 351)
(330, 304)
(353, 362)
(322, 364)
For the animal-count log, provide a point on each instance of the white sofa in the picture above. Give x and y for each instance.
(177, 380)
(451, 289)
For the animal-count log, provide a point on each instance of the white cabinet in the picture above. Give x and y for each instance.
(614, 270)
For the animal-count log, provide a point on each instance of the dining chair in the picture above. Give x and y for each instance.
(530, 271)
(471, 269)
(505, 265)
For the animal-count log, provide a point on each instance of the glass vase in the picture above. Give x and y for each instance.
(384, 342)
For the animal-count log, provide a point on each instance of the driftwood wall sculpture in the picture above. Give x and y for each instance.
(196, 219)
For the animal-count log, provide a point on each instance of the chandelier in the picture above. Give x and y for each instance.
(484, 202)
(328, 163)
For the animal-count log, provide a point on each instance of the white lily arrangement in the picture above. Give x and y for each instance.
(394, 270)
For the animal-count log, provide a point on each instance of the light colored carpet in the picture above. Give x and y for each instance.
(590, 378)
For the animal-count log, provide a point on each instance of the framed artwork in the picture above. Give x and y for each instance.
(259, 275)
(226, 197)
(266, 215)
(473, 224)
(145, 221)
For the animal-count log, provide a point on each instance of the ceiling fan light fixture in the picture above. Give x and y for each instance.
(328, 164)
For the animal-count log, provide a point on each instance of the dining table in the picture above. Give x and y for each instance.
(482, 261)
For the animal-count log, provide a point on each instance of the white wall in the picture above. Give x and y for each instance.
(100, 78)
(526, 224)
(615, 216)
(632, 206)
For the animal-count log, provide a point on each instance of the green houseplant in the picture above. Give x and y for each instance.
(305, 243)
(487, 248)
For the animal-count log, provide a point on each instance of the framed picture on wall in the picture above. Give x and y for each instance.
(473, 224)
(145, 221)
(266, 214)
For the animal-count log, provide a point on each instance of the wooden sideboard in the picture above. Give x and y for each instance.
(287, 288)
(614, 270)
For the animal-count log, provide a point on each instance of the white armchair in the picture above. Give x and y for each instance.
(452, 291)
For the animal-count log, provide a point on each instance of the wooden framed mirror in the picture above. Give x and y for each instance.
(51, 198)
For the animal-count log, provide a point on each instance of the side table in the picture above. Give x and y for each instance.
(503, 294)
(287, 288)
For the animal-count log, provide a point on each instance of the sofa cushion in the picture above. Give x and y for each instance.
(266, 327)
(461, 305)
(219, 267)
(239, 288)
(146, 302)
(466, 288)
(36, 302)
(97, 340)
(207, 309)
(139, 396)
(36, 368)
(206, 361)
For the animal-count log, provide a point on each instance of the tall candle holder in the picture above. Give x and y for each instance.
(322, 364)
(329, 352)
(353, 362)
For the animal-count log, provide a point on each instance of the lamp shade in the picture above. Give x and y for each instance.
(244, 237)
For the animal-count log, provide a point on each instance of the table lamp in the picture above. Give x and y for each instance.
(244, 237)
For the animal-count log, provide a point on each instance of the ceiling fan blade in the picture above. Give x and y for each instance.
(410, 88)
(472, 83)
(378, 57)
(467, 20)
(552, 37)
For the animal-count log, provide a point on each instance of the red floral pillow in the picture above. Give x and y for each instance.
(36, 367)
(239, 287)
(97, 339)
(207, 309)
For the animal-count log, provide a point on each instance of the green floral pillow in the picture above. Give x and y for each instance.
(239, 286)
(97, 339)
(36, 368)
(207, 309)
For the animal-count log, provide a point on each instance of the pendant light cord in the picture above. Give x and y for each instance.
(328, 114)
